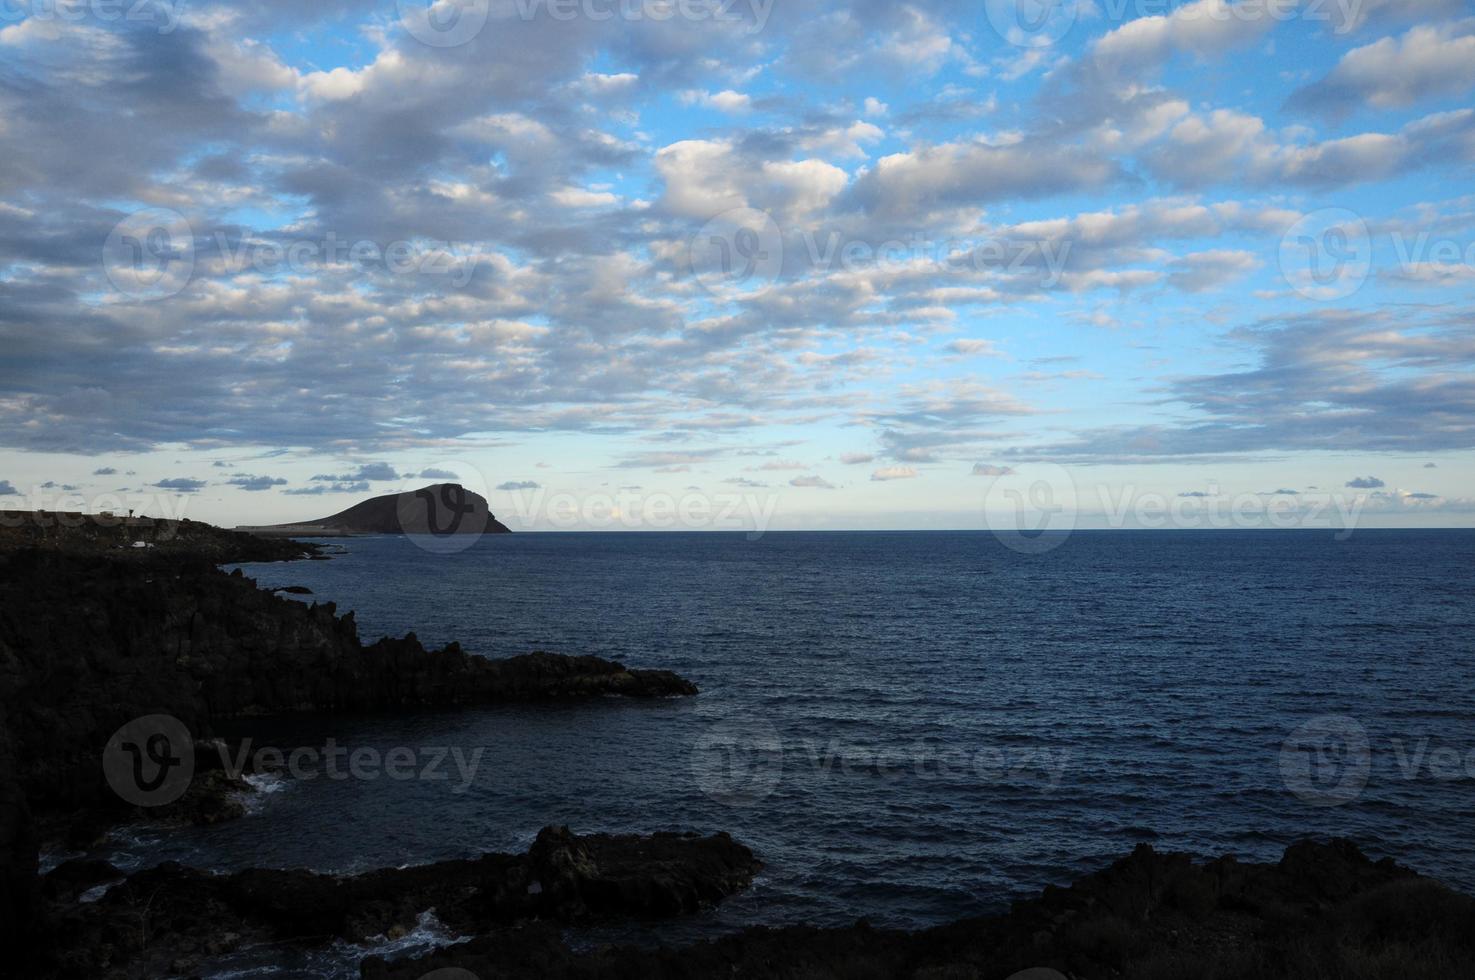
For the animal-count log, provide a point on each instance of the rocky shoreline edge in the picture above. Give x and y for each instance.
(103, 622)
(95, 632)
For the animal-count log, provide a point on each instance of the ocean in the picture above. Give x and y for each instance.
(909, 727)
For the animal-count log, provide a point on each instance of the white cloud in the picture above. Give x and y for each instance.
(724, 101)
(1429, 60)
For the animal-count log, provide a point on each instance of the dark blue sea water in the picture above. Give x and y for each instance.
(913, 727)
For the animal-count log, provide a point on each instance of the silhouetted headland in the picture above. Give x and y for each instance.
(440, 509)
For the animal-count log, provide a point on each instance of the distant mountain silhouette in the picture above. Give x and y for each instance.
(442, 509)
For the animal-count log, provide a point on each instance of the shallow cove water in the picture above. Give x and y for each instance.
(908, 727)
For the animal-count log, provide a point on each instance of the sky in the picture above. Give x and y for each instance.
(715, 264)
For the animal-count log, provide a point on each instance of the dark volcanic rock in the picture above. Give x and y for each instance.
(19, 889)
(1324, 911)
(89, 643)
(141, 537)
(441, 509)
(92, 638)
(146, 922)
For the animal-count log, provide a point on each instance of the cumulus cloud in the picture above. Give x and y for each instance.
(989, 469)
(1347, 380)
(7, 490)
(104, 471)
(256, 483)
(725, 101)
(1365, 483)
(366, 472)
(886, 473)
(542, 160)
(519, 485)
(1428, 61)
(817, 482)
(181, 484)
(322, 488)
(941, 178)
(971, 347)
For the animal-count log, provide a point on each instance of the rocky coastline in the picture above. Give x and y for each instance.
(96, 631)
(162, 921)
(1323, 911)
(105, 621)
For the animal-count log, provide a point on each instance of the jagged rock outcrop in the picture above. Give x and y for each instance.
(89, 643)
(92, 638)
(165, 918)
(1324, 911)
